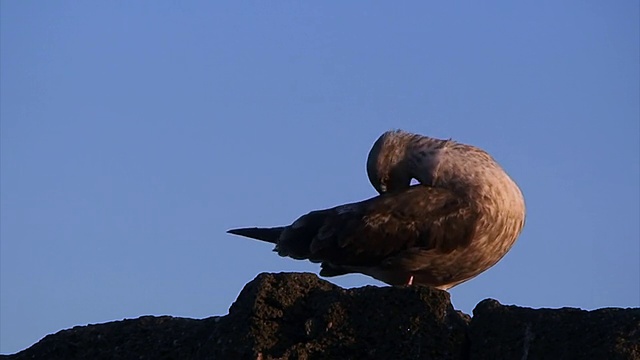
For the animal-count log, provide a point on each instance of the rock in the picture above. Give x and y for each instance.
(299, 316)
(147, 337)
(511, 332)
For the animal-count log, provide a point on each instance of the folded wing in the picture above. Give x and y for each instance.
(377, 230)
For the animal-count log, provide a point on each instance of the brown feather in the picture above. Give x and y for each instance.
(462, 219)
(371, 231)
(380, 230)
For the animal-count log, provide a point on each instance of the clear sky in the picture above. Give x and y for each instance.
(134, 134)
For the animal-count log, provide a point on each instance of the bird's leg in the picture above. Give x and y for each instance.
(410, 281)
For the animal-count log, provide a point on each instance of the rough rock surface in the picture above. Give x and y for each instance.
(511, 332)
(299, 316)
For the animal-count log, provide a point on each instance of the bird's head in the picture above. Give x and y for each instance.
(398, 156)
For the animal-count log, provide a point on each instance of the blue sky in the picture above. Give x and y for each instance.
(134, 134)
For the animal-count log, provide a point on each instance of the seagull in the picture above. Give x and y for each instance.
(460, 218)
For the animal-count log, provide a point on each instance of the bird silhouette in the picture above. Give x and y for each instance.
(461, 218)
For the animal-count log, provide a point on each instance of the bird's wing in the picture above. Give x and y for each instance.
(368, 232)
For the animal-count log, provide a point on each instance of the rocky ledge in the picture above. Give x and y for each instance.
(299, 316)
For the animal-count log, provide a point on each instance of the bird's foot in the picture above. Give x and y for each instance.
(410, 281)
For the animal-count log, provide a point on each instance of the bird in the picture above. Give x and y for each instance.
(463, 214)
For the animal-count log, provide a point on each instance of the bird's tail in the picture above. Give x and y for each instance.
(270, 235)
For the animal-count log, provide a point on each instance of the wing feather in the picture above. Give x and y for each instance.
(369, 232)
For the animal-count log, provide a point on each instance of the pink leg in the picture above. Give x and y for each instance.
(410, 282)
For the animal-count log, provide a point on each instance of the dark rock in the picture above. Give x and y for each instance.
(147, 337)
(511, 332)
(299, 316)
